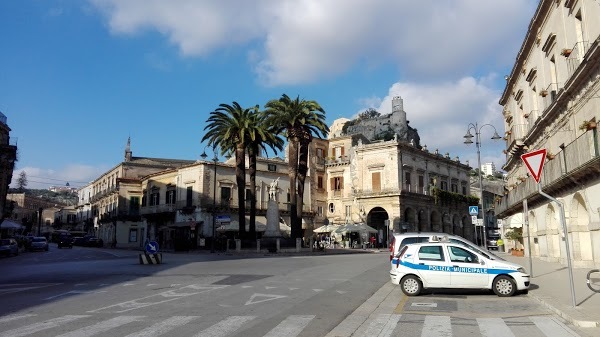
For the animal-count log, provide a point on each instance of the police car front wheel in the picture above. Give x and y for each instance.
(504, 286)
(411, 285)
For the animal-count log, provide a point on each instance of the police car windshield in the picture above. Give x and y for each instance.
(486, 254)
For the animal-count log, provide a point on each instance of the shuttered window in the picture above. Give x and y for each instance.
(376, 181)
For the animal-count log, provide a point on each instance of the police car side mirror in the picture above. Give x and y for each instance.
(482, 262)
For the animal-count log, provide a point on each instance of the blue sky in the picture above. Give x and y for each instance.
(79, 77)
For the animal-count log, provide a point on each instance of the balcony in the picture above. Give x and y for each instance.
(575, 56)
(532, 117)
(571, 167)
(319, 163)
(341, 160)
(549, 94)
(165, 208)
(377, 193)
(514, 138)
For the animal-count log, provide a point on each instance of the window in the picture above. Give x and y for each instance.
(444, 185)
(458, 254)
(144, 199)
(431, 253)
(348, 211)
(337, 183)
(225, 196)
(454, 188)
(376, 181)
(421, 183)
(154, 198)
(133, 234)
(188, 196)
(320, 182)
(407, 180)
(464, 190)
(331, 207)
(134, 205)
(272, 167)
(320, 210)
(170, 197)
(320, 153)
(248, 199)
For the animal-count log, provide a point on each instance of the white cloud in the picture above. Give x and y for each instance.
(442, 113)
(307, 40)
(75, 174)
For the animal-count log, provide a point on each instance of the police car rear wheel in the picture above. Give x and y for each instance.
(504, 286)
(411, 285)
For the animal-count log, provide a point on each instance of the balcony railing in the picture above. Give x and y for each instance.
(532, 118)
(376, 193)
(338, 161)
(574, 158)
(414, 188)
(164, 208)
(576, 55)
(515, 135)
(549, 94)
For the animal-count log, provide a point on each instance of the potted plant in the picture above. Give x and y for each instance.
(515, 234)
(550, 155)
(566, 52)
(587, 125)
(544, 93)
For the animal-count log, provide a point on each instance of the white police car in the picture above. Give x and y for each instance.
(450, 265)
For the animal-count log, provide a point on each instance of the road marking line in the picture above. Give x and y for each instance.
(437, 326)
(291, 326)
(76, 292)
(267, 287)
(164, 326)
(383, 325)
(267, 297)
(428, 305)
(225, 327)
(102, 326)
(14, 317)
(494, 327)
(318, 290)
(171, 295)
(128, 284)
(37, 327)
(551, 326)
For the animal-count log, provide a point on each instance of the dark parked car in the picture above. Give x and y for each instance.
(9, 247)
(78, 241)
(65, 241)
(39, 243)
(92, 241)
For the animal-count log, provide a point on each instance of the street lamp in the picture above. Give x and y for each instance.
(468, 136)
(215, 159)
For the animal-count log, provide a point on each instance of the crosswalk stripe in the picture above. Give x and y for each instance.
(164, 326)
(291, 326)
(552, 327)
(225, 327)
(494, 327)
(14, 317)
(383, 325)
(102, 326)
(437, 326)
(36, 327)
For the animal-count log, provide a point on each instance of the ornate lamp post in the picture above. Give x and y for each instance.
(215, 159)
(477, 129)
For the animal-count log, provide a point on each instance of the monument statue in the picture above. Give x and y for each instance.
(273, 189)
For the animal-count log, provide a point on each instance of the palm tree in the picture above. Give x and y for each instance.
(299, 120)
(260, 136)
(228, 129)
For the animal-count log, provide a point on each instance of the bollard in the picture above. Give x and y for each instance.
(277, 245)
(258, 245)
(238, 245)
(298, 245)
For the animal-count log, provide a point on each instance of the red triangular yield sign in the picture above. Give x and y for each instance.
(535, 162)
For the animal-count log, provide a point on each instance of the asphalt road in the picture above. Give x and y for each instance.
(101, 292)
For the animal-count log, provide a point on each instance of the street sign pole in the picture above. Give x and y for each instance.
(526, 223)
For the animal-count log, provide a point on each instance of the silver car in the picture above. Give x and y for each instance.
(39, 243)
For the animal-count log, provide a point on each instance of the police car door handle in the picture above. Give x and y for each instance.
(421, 263)
(455, 266)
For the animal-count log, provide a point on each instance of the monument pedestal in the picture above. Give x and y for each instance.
(272, 236)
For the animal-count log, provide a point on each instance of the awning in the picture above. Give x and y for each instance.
(9, 224)
(355, 227)
(326, 229)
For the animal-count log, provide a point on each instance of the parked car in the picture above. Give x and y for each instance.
(92, 241)
(78, 241)
(444, 264)
(9, 247)
(39, 243)
(65, 241)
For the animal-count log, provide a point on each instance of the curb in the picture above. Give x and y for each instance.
(567, 317)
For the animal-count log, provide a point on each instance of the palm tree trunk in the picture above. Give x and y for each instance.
(252, 151)
(240, 179)
(302, 170)
(293, 173)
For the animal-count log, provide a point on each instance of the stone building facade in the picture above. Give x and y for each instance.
(551, 102)
(8, 156)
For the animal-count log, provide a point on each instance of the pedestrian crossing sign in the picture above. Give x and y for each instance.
(473, 210)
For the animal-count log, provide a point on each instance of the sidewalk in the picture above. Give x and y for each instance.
(551, 286)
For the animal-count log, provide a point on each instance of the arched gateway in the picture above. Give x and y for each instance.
(376, 219)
